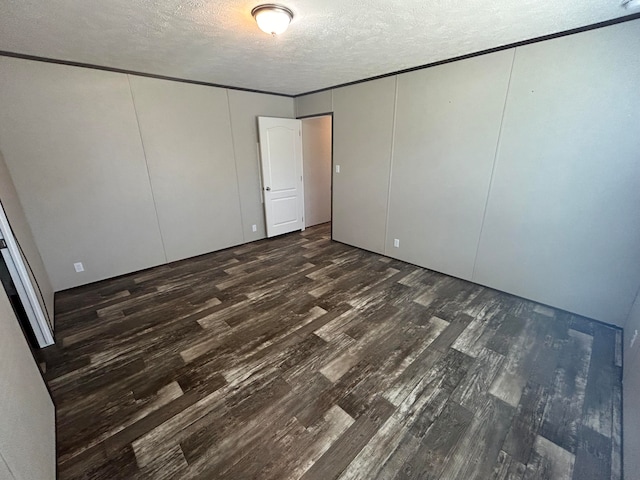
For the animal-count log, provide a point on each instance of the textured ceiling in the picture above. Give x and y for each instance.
(329, 42)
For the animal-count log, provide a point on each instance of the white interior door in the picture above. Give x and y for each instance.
(282, 182)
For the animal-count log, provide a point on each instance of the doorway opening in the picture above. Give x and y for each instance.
(317, 149)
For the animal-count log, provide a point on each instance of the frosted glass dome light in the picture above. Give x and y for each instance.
(272, 19)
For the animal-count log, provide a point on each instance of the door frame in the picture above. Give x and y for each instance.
(326, 114)
(20, 276)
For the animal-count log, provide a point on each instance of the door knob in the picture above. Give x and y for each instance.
(268, 189)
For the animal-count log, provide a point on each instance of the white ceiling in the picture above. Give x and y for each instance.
(329, 42)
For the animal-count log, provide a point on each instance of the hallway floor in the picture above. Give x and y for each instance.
(300, 357)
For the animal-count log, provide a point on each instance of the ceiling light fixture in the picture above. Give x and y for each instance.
(271, 18)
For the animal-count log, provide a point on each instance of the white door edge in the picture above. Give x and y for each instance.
(22, 281)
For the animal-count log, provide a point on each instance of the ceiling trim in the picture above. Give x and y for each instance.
(23, 56)
(564, 33)
(573, 31)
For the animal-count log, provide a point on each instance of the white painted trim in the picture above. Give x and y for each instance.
(22, 281)
(304, 220)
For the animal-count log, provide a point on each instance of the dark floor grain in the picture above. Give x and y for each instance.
(299, 357)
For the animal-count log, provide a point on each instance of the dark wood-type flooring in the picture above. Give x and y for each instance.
(299, 357)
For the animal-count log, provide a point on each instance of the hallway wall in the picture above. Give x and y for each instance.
(316, 152)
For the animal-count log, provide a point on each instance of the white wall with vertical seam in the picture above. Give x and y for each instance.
(123, 186)
(517, 170)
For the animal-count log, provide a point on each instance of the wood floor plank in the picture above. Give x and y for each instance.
(506, 468)
(616, 433)
(526, 423)
(593, 455)
(549, 462)
(564, 412)
(383, 456)
(603, 373)
(301, 357)
(438, 444)
(472, 390)
(331, 464)
(512, 378)
(477, 451)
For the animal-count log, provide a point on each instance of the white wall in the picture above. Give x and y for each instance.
(362, 137)
(316, 152)
(315, 103)
(70, 139)
(447, 127)
(245, 108)
(186, 133)
(27, 416)
(563, 220)
(536, 195)
(123, 186)
(22, 232)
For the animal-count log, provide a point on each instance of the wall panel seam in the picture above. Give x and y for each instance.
(391, 155)
(146, 164)
(626, 325)
(235, 164)
(7, 465)
(633, 302)
(493, 167)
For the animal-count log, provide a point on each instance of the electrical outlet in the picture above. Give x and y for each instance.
(634, 338)
(79, 267)
(396, 242)
(337, 168)
(254, 228)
